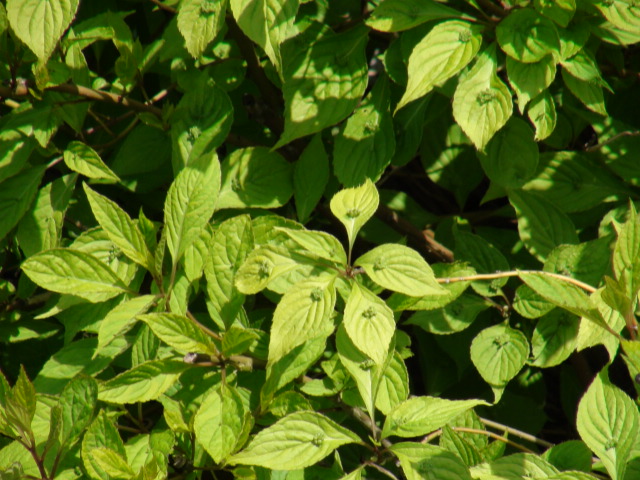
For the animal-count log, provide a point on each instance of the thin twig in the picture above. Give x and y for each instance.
(493, 8)
(426, 243)
(493, 435)
(517, 433)
(598, 146)
(22, 90)
(515, 273)
(164, 7)
(381, 469)
(205, 329)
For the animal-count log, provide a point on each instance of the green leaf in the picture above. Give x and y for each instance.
(608, 422)
(564, 295)
(626, 252)
(228, 249)
(310, 177)
(485, 258)
(290, 367)
(530, 304)
(325, 76)
(365, 145)
(441, 54)
(482, 102)
(394, 385)
(542, 226)
(64, 270)
(190, 203)
(542, 114)
(401, 269)
(19, 408)
(255, 177)
(530, 79)
(421, 415)
(399, 302)
(511, 156)
(554, 338)
(569, 455)
(621, 13)
(41, 24)
(120, 228)
(261, 267)
(399, 15)
(112, 463)
(15, 149)
(220, 421)
(584, 67)
(499, 352)
(303, 313)
(268, 23)
(366, 373)
(527, 36)
(237, 340)
(199, 21)
(85, 160)
(179, 332)
(369, 323)
(420, 460)
(354, 207)
(560, 11)
(296, 441)
(77, 401)
(102, 433)
(588, 92)
(16, 195)
(143, 383)
(587, 261)
(318, 243)
(199, 125)
(453, 318)
(516, 466)
(573, 38)
(41, 227)
(573, 181)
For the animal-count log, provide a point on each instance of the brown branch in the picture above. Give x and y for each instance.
(493, 8)
(22, 90)
(434, 250)
(164, 7)
(598, 146)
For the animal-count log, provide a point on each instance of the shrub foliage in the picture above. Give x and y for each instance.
(269, 239)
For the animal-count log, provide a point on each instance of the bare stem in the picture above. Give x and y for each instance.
(22, 90)
(202, 327)
(493, 435)
(381, 469)
(515, 273)
(517, 433)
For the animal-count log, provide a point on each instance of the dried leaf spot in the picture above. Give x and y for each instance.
(353, 213)
(501, 341)
(379, 264)
(264, 270)
(369, 313)
(316, 294)
(208, 7)
(193, 133)
(485, 96)
(368, 364)
(464, 36)
(317, 440)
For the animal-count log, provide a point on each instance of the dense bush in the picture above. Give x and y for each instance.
(269, 239)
